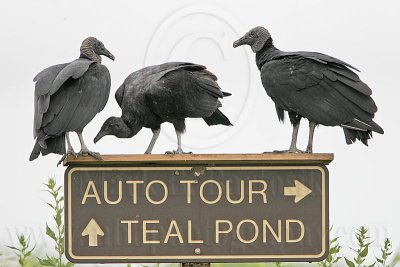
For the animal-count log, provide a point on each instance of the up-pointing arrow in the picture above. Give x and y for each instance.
(299, 190)
(93, 230)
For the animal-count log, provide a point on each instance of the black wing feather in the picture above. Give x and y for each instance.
(78, 101)
(190, 87)
(318, 91)
(49, 81)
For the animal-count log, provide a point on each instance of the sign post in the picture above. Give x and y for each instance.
(197, 208)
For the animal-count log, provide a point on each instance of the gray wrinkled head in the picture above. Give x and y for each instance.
(255, 38)
(112, 126)
(117, 127)
(92, 49)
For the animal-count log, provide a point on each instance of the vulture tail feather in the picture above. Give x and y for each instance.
(353, 135)
(54, 145)
(217, 118)
(35, 151)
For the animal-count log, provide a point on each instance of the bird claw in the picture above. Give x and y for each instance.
(178, 151)
(62, 159)
(72, 153)
(291, 150)
(69, 153)
(95, 155)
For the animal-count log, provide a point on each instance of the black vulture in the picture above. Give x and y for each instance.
(315, 86)
(67, 97)
(169, 92)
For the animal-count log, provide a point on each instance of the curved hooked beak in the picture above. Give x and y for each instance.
(107, 53)
(241, 41)
(99, 136)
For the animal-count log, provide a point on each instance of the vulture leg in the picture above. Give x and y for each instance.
(295, 119)
(179, 129)
(156, 133)
(85, 151)
(293, 148)
(70, 150)
(179, 149)
(311, 137)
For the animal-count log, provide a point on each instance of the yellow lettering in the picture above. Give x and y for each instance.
(95, 194)
(288, 239)
(189, 189)
(147, 231)
(228, 195)
(261, 192)
(239, 236)
(129, 225)
(190, 239)
(202, 192)
(218, 231)
(277, 236)
(119, 193)
(177, 232)
(148, 192)
(134, 189)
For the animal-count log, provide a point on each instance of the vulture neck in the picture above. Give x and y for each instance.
(124, 131)
(90, 54)
(133, 124)
(267, 53)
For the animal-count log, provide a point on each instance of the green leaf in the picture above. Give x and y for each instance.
(48, 262)
(31, 261)
(334, 250)
(358, 260)
(58, 218)
(366, 245)
(337, 259)
(364, 252)
(30, 251)
(50, 233)
(349, 263)
(11, 247)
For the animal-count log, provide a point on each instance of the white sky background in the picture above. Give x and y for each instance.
(364, 181)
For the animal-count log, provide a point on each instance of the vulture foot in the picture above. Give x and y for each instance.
(90, 153)
(69, 153)
(178, 151)
(291, 150)
(62, 159)
(72, 153)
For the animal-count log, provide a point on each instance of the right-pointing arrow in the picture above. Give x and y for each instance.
(93, 230)
(299, 190)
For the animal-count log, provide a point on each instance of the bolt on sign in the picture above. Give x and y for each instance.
(238, 211)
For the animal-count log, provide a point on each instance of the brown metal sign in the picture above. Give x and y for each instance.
(200, 214)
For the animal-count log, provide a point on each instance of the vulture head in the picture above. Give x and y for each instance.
(92, 49)
(255, 38)
(117, 127)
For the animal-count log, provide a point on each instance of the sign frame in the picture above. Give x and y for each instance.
(211, 165)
